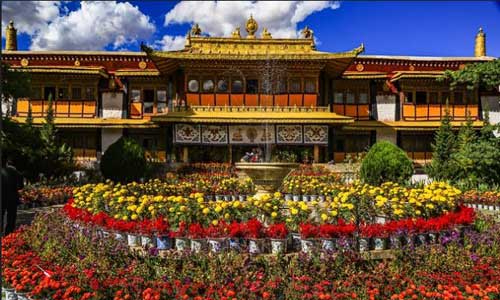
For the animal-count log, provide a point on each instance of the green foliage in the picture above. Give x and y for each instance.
(124, 161)
(445, 144)
(478, 75)
(15, 84)
(386, 162)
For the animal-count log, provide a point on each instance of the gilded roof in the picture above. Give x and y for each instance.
(93, 122)
(406, 125)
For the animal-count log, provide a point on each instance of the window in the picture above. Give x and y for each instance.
(458, 98)
(295, 86)
(237, 87)
(161, 101)
(421, 97)
(76, 93)
(136, 96)
(36, 92)
(310, 86)
(208, 86)
(89, 93)
(252, 86)
(349, 97)
(338, 98)
(281, 87)
(471, 97)
(433, 98)
(363, 97)
(63, 93)
(222, 86)
(149, 98)
(193, 86)
(267, 87)
(408, 97)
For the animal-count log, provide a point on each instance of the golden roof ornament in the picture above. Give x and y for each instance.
(480, 46)
(266, 34)
(251, 27)
(307, 33)
(236, 33)
(196, 30)
(11, 37)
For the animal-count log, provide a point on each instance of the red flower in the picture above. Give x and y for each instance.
(308, 231)
(277, 231)
(253, 229)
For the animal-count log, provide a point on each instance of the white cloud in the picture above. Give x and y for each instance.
(29, 16)
(94, 26)
(219, 18)
(169, 43)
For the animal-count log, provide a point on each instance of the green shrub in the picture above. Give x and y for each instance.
(124, 161)
(386, 162)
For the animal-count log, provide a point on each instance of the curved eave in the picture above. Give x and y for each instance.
(92, 122)
(64, 70)
(416, 74)
(253, 118)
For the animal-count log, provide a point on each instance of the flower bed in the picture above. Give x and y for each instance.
(482, 200)
(50, 259)
(33, 196)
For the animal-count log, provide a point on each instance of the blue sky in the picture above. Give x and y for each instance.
(437, 28)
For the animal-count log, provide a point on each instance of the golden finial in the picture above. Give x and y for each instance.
(266, 34)
(307, 33)
(196, 30)
(251, 27)
(11, 37)
(480, 47)
(236, 33)
(188, 40)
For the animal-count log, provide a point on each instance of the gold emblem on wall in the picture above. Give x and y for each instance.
(360, 67)
(77, 63)
(412, 68)
(24, 62)
(461, 66)
(142, 65)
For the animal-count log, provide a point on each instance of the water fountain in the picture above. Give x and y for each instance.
(267, 175)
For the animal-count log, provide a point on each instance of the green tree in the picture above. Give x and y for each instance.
(477, 75)
(386, 162)
(124, 161)
(445, 144)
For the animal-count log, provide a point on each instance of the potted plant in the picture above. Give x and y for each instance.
(328, 234)
(254, 233)
(217, 236)
(308, 235)
(236, 233)
(196, 233)
(180, 236)
(277, 233)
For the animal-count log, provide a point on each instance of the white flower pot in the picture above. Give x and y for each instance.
(256, 246)
(227, 198)
(421, 239)
(364, 244)
(209, 197)
(198, 245)
(146, 241)
(278, 246)
(163, 243)
(132, 240)
(242, 197)
(433, 237)
(395, 242)
(22, 296)
(10, 294)
(305, 198)
(288, 197)
(219, 197)
(314, 197)
(295, 241)
(119, 236)
(380, 220)
(378, 243)
(328, 244)
(307, 245)
(181, 244)
(235, 244)
(217, 244)
(296, 198)
(491, 207)
(321, 198)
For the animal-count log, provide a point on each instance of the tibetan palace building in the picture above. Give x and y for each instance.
(220, 97)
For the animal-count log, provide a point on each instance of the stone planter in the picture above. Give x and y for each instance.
(163, 242)
(132, 240)
(217, 245)
(182, 244)
(278, 246)
(308, 245)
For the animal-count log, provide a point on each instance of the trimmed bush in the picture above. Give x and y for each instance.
(124, 161)
(386, 162)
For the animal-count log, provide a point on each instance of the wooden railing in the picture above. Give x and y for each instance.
(84, 154)
(357, 111)
(435, 112)
(420, 157)
(156, 156)
(62, 108)
(251, 99)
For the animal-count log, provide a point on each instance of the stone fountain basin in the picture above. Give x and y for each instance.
(267, 176)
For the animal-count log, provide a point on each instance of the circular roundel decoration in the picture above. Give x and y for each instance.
(142, 65)
(77, 63)
(412, 68)
(461, 66)
(24, 62)
(360, 67)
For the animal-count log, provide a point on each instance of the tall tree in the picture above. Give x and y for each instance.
(478, 75)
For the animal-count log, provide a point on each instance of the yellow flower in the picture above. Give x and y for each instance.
(294, 211)
(215, 222)
(236, 204)
(274, 214)
(324, 217)
(218, 209)
(206, 210)
(134, 217)
(334, 213)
